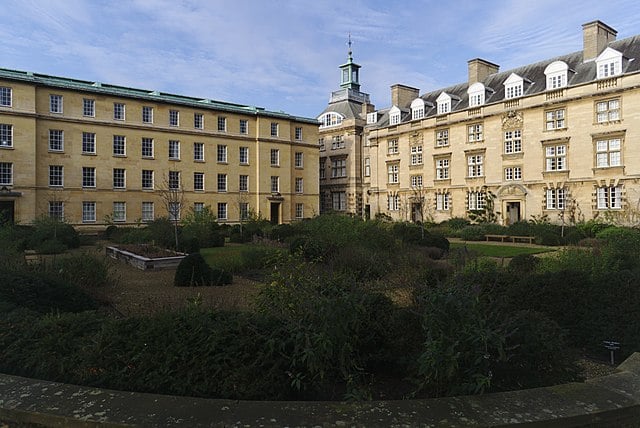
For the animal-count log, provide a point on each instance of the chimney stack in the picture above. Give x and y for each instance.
(402, 95)
(596, 35)
(479, 69)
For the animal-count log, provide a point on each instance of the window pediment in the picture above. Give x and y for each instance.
(556, 75)
(609, 63)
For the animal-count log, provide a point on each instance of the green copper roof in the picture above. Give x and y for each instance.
(156, 96)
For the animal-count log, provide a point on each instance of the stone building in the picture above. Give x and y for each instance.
(95, 153)
(555, 138)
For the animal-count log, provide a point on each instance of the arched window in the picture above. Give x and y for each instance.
(556, 73)
(476, 94)
(394, 115)
(444, 103)
(513, 86)
(417, 109)
(330, 119)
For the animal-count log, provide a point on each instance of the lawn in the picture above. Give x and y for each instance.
(493, 250)
(228, 257)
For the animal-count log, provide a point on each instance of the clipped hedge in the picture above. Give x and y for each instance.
(193, 271)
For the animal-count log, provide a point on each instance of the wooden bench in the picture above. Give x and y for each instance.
(528, 239)
(501, 238)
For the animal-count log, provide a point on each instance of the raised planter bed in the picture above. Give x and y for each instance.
(150, 258)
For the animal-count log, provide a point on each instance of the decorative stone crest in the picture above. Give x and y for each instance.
(512, 120)
(415, 137)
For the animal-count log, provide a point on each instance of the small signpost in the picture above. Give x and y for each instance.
(612, 347)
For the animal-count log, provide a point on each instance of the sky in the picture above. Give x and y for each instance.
(284, 55)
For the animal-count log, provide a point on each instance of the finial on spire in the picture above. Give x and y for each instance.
(349, 43)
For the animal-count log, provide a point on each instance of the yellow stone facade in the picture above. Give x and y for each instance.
(87, 164)
(555, 139)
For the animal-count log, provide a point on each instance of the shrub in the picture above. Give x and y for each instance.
(436, 241)
(523, 263)
(47, 229)
(42, 293)
(538, 354)
(82, 270)
(193, 271)
(51, 246)
(473, 233)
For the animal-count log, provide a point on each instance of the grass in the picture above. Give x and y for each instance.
(493, 250)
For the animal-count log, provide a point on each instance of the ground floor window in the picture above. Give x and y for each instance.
(339, 201)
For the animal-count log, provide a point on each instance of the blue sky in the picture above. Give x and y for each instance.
(284, 54)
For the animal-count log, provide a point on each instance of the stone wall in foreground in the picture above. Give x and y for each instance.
(609, 401)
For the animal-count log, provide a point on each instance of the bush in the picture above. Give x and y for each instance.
(473, 233)
(51, 246)
(435, 241)
(42, 293)
(523, 263)
(193, 271)
(538, 354)
(82, 270)
(47, 229)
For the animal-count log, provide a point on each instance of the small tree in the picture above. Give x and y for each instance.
(488, 214)
(422, 205)
(172, 195)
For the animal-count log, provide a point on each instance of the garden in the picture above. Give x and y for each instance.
(330, 308)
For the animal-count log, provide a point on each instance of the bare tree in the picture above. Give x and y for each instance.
(172, 195)
(420, 207)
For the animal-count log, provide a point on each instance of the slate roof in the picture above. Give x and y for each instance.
(142, 94)
(535, 80)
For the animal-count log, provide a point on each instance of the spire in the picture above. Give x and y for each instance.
(350, 70)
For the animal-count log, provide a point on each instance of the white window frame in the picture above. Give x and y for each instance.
(476, 93)
(88, 211)
(442, 137)
(513, 87)
(88, 107)
(443, 103)
(223, 212)
(556, 198)
(174, 150)
(367, 167)
(56, 140)
(416, 181)
(243, 183)
(556, 75)
(6, 135)
(338, 168)
(330, 119)
(147, 177)
(417, 109)
(299, 159)
(244, 155)
(146, 146)
(393, 146)
(198, 181)
(555, 119)
(608, 110)
(393, 173)
(88, 143)
(222, 185)
(513, 141)
(56, 176)
(119, 178)
(475, 165)
(198, 120)
(609, 63)
(609, 153)
(393, 201)
(609, 197)
(275, 129)
(299, 213)
(299, 185)
(119, 213)
(244, 126)
(475, 133)
(416, 155)
(88, 177)
(56, 210)
(147, 114)
(442, 168)
(119, 145)
(173, 181)
(394, 116)
(198, 152)
(275, 157)
(119, 111)
(6, 96)
(221, 153)
(443, 201)
(339, 201)
(275, 184)
(56, 104)
(6, 173)
(513, 173)
(372, 118)
(476, 201)
(222, 124)
(555, 157)
(298, 133)
(148, 211)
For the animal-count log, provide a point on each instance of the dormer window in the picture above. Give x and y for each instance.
(556, 74)
(417, 109)
(444, 103)
(609, 63)
(476, 94)
(394, 116)
(513, 86)
(372, 117)
(330, 119)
